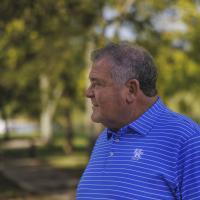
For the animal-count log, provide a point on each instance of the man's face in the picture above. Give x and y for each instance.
(107, 97)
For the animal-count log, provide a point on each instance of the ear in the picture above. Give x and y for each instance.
(133, 87)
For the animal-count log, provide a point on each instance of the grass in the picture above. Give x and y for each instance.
(75, 160)
(14, 135)
(55, 148)
(54, 155)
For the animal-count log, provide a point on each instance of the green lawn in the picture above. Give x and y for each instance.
(53, 155)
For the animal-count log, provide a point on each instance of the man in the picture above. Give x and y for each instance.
(147, 151)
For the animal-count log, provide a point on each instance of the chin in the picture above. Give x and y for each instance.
(95, 118)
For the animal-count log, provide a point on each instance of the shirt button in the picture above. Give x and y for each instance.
(111, 154)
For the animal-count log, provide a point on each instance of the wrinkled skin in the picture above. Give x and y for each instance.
(107, 97)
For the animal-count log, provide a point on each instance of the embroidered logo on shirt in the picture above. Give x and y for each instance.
(137, 154)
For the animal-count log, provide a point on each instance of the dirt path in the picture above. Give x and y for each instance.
(38, 180)
(35, 177)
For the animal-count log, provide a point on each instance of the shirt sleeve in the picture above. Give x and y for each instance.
(189, 170)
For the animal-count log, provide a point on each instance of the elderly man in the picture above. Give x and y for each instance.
(147, 151)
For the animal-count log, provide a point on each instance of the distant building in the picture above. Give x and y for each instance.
(19, 126)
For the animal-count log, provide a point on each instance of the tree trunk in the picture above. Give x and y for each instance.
(49, 99)
(46, 124)
(69, 133)
(7, 131)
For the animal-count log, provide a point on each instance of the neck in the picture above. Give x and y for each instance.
(138, 108)
(142, 105)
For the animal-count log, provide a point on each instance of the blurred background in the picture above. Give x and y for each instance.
(46, 135)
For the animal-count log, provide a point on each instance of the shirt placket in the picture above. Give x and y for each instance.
(112, 154)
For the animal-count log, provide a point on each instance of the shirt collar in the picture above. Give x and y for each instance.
(109, 134)
(145, 122)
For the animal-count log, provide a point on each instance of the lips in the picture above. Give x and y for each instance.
(94, 104)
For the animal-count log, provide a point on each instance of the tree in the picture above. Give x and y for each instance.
(174, 44)
(44, 42)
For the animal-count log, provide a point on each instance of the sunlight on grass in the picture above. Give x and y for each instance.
(77, 142)
(75, 160)
(80, 142)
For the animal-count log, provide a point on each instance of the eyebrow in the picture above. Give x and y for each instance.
(96, 80)
(93, 79)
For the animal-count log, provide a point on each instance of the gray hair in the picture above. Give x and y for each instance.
(130, 62)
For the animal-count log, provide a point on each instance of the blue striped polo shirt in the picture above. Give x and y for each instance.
(156, 157)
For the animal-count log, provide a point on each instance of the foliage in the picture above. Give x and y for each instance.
(43, 41)
(52, 39)
(170, 31)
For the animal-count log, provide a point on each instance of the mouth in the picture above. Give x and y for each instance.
(94, 105)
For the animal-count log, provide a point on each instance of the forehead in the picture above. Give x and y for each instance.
(101, 69)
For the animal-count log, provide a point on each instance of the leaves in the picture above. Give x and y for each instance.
(51, 38)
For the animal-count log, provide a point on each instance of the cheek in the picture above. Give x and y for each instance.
(110, 101)
(102, 101)
(100, 96)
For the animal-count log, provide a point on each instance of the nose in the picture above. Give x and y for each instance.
(89, 92)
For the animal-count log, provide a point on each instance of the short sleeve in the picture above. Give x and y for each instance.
(188, 170)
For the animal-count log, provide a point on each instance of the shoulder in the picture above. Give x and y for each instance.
(102, 136)
(181, 124)
(100, 144)
(101, 139)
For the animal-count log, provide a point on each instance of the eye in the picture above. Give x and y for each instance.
(95, 84)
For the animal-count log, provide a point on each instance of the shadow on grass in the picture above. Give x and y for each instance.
(9, 189)
(48, 171)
